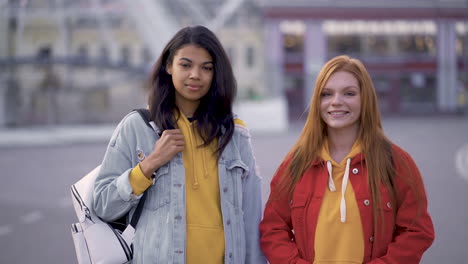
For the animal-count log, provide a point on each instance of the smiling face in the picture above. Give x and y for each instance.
(192, 74)
(340, 102)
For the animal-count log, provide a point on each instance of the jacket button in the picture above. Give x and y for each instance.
(230, 255)
(389, 205)
(366, 202)
(228, 222)
(371, 239)
(225, 189)
(355, 171)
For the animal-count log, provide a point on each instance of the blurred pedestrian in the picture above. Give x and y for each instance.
(203, 193)
(345, 193)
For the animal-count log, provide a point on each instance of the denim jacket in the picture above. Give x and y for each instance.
(161, 231)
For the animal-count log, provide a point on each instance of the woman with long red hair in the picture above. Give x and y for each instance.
(345, 193)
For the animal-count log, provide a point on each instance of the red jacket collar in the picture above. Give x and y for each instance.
(356, 159)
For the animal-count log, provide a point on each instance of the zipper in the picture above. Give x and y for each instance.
(80, 201)
(76, 228)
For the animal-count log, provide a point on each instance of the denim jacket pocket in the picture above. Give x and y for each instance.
(158, 194)
(236, 171)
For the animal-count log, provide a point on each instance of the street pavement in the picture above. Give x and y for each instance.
(38, 165)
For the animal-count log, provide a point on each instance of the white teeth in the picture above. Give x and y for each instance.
(337, 113)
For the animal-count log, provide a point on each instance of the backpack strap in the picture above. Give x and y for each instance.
(138, 210)
(146, 116)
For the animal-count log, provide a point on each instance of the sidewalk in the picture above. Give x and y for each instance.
(54, 135)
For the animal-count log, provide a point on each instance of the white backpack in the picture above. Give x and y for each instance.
(97, 241)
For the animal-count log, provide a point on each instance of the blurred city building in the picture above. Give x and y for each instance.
(87, 61)
(416, 50)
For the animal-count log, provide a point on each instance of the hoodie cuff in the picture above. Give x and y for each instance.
(138, 181)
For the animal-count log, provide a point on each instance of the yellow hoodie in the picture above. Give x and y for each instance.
(339, 238)
(205, 231)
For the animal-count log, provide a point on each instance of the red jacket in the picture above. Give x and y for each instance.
(288, 226)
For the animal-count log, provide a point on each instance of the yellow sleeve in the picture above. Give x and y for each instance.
(138, 181)
(237, 121)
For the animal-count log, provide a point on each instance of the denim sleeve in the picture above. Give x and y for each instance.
(252, 202)
(113, 194)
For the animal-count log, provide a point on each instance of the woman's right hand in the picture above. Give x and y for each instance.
(170, 143)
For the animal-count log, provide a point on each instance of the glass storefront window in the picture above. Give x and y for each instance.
(293, 43)
(344, 44)
(377, 45)
(418, 93)
(294, 92)
(383, 87)
(417, 44)
(461, 29)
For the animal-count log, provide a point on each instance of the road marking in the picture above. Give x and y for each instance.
(461, 161)
(5, 230)
(32, 217)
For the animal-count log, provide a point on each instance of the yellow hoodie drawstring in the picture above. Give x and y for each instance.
(331, 184)
(344, 184)
(205, 171)
(193, 139)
